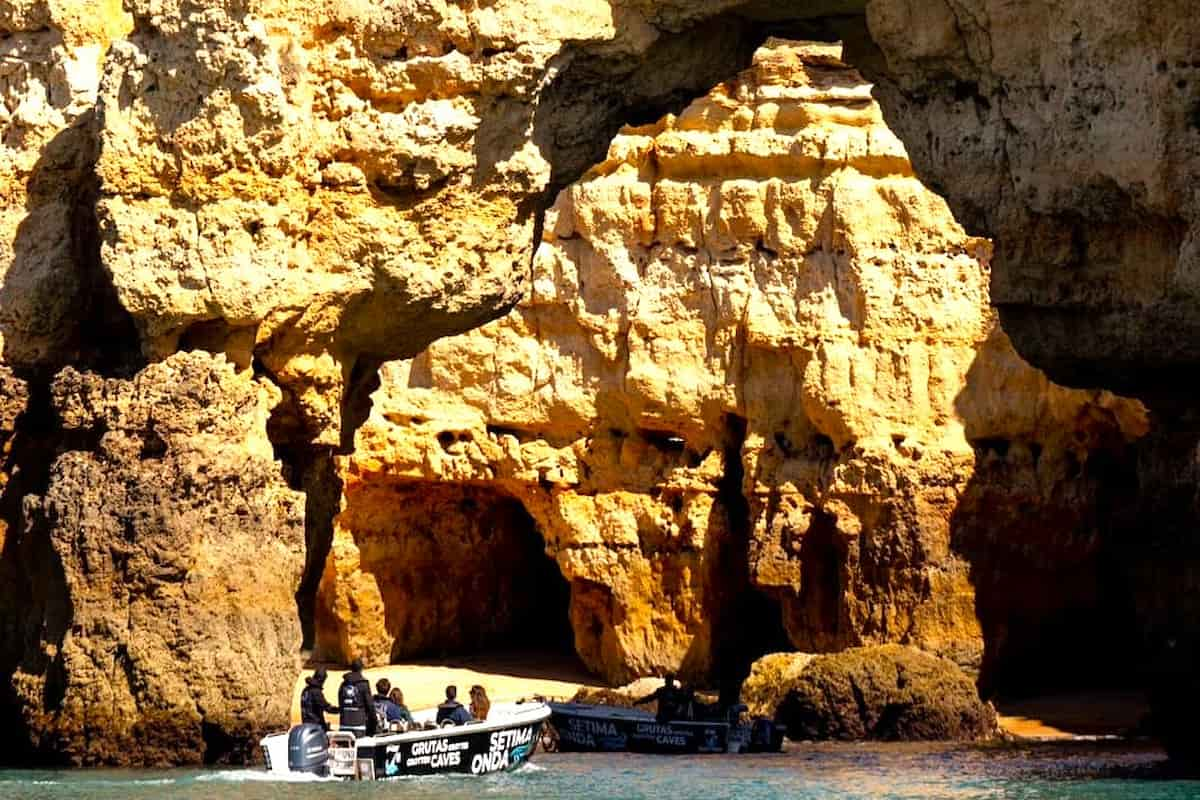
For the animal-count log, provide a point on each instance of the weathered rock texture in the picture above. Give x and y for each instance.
(771, 678)
(1070, 134)
(888, 693)
(757, 360)
(322, 182)
(160, 624)
(50, 62)
(754, 371)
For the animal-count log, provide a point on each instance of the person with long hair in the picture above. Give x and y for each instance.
(480, 705)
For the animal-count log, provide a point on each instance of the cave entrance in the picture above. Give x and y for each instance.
(463, 571)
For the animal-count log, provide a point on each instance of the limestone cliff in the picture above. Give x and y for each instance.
(753, 377)
(756, 357)
(323, 182)
(51, 56)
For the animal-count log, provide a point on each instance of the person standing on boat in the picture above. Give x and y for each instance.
(313, 705)
(451, 710)
(354, 702)
(670, 699)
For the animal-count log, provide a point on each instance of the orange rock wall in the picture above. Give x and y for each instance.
(757, 290)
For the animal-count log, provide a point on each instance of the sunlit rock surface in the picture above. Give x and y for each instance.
(317, 182)
(727, 409)
(756, 362)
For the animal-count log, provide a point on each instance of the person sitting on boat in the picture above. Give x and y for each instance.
(397, 698)
(384, 708)
(670, 699)
(451, 710)
(354, 701)
(313, 705)
(479, 703)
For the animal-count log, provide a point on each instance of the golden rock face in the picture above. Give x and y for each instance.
(756, 359)
(317, 182)
(753, 386)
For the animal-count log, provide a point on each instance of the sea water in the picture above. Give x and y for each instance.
(1045, 772)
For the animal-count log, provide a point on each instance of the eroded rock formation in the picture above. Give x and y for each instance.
(1071, 135)
(319, 183)
(757, 361)
(888, 693)
(725, 396)
(51, 56)
(159, 625)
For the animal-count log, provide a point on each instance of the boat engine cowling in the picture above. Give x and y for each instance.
(308, 749)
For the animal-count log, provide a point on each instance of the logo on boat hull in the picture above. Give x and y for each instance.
(505, 749)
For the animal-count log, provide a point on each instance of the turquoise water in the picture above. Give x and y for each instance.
(1044, 772)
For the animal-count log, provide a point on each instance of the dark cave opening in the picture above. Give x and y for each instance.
(1055, 592)
(462, 571)
(747, 622)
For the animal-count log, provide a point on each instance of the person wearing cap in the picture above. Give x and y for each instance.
(354, 701)
(313, 705)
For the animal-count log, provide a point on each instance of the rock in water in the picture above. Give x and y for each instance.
(890, 693)
(770, 679)
(166, 630)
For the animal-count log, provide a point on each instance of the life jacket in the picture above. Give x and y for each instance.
(381, 704)
(353, 713)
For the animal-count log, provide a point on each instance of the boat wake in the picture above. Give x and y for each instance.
(262, 776)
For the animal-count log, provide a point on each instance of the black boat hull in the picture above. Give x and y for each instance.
(587, 728)
(597, 729)
(456, 752)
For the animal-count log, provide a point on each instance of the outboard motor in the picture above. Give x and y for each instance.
(308, 749)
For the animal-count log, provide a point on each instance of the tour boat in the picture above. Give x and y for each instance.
(585, 727)
(504, 741)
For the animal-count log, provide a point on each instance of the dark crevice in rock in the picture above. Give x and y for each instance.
(322, 486)
(109, 342)
(823, 558)
(364, 380)
(747, 623)
(312, 469)
(35, 605)
(225, 747)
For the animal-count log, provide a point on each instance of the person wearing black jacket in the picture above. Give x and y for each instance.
(313, 706)
(672, 700)
(452, 711)
(354, 702)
